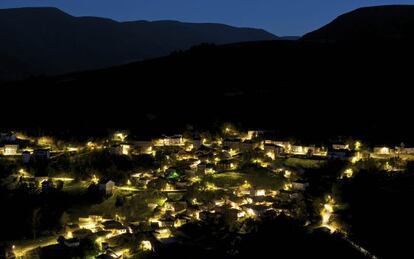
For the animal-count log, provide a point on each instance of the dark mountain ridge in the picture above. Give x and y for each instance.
(49, 41)
(393, 22)
(306, 89)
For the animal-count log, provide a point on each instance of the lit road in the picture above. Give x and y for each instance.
(22, 249)
(360, 248)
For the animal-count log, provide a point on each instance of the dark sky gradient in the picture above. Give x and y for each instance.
(281, 17)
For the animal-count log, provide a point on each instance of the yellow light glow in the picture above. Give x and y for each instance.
(348, 173)
(63, 179)
(127, 188)
(328, 207)
(232, 152)
(271, 154)
(260, 193)
(261, 146)
(287, 186)
(90, 144)
(233, 166)
(120, 136)
(246, 185)
(219, 203)
(388, 167)
(195, 179)
(121, 253)
(145, 245)
(45, 141)
(326, 215)
(129, 182)
(358, 145)
(210, 171)
(189, 148)
(163, 233)
(95, 179)
(69, 234)
(72, 149)
(287, 174)
(99, 242)
(125, 149)
(356, 158)
(22, 136)
(149, 150)
(211, 186)
(250, 212)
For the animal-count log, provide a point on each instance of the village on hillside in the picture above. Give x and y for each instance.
(123, 197)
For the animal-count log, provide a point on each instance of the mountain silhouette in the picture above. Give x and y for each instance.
(393, 22)
(49, 41)
(302, 88)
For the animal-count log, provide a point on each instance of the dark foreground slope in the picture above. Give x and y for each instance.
(297, 88)
(49, 41)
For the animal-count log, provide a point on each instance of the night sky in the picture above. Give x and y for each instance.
(281, 17)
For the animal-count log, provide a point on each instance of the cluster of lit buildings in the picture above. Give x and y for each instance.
(187, 161)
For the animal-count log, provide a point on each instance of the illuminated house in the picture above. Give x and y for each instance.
(340, 146)
(255, 210)
(204, 168)
(404, 150)
(115, 227)
(176, 140)
(227, 165)
(90, 222)
(299, 150)
(163, 235)
(284, 144)
(120, 149)
(177, 206)
(383, 151)
(10, 149)
(108, 187)
(253, 134)
(272, 150)
(260, 192)
(243, 190)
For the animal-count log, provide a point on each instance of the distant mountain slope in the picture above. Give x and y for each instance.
(49, 41)
(394, 22)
